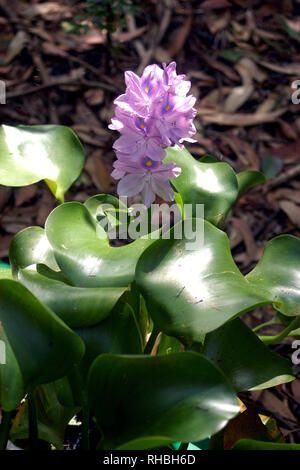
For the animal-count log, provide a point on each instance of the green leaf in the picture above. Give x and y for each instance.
(115, 215)
(32, 153)
(52, 417)
(31, 246)
(83, 253)
(182, 397)
(190, 292)
(277, 274)
(76, 306)
(248, 179)
(40, 348)
(251, 444)
(108, 336)
(271, 166)
(213, 184)
(244, 359)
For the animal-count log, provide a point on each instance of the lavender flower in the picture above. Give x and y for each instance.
(145, 176)
(153, 114)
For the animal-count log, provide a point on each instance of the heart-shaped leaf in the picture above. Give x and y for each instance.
(117, 334)
(182, 397)
(213, 184)
(82, 250)
(244, 359)
(190, 292)
(40, 348)
(278, 274)
(248, 179)
(32, 153)
(76, 306)
(29, 247)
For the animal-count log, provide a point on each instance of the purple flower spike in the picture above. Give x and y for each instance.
(145, 176)
(154, 113)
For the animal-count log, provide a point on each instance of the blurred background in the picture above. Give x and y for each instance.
(64, 63)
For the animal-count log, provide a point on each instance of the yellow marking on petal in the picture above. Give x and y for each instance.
(149, 163)
(142, 126)
(146, 89)
(167, 107)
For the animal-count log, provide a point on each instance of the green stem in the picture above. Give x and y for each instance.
(32, 421)
(262, 325)
(4, 428)
(151, 341)
(283, 334)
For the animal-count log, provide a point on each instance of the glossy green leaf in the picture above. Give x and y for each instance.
(83, 253)
(108, 209)
(31, 246)
(244, 359)
(182, 396)
(32, 153)
(213, 184)
(52, 417)
(277, 274)
(251, 444)
(117, 334)
(76, 306)
(248, 179)
(39, 346)
(190, 292)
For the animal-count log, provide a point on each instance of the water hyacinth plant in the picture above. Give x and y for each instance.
(142, 343)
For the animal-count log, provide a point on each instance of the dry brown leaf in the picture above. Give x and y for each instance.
(94, 96)
(98, 172)
(179, 36)
(291, 210)
(215, 4)
(277, 406)
(238, 119)
(285, 193)
(216, 24)
(24, 194)
(268, 104)
(243, 151)
(5, 194)
(16, 46)
(46, 8)
(4, 245)
(287, 69)
(242, 226)
(228, 71)
(129, 35)
(286, 151)
(287, 130)
(238, 96)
